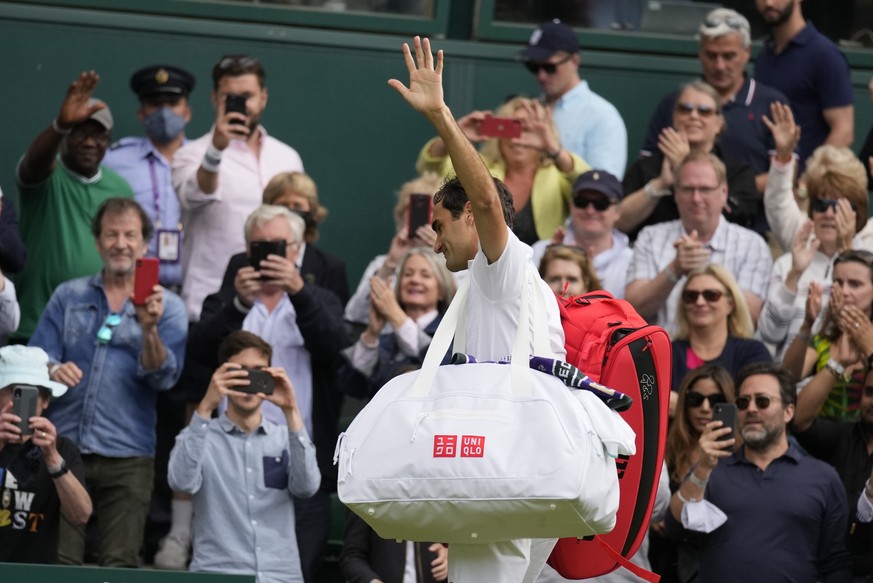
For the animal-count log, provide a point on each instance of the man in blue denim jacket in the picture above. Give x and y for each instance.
(115, 356)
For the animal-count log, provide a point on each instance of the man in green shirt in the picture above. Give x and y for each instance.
(61, 184)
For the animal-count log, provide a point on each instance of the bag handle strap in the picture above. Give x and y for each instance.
(626, 563)
(453, 324)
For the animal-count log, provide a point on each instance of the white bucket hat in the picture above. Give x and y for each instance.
(27, 365)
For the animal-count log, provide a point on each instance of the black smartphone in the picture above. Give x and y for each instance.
(235, 103)
(24, 398)
(419, 212)
(261, 382)
(258, 250)
(727, 414)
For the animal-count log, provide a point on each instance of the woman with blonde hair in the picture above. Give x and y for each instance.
(535, 168)
(713, 325)
(297, 191)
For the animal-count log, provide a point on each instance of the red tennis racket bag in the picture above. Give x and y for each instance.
(611, 343)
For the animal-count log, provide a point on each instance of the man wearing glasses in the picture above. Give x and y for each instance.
(114, 356)
(589, 125)
(62, 183)
(725, 50)
(766, 511)
(220, 176)
(665, 252)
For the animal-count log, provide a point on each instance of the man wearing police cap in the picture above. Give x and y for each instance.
(62, 183)
(146, 161)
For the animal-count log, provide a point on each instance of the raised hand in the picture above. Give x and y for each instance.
(845, 219)
(711, 447)
(425, 91)
(75, 108)
(813, 302)
(786, 133)
(802, 250)
(536, 128)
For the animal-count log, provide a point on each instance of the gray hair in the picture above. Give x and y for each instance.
(268, 212)
(723, 21)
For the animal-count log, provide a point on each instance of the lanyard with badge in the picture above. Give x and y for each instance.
(169, 240)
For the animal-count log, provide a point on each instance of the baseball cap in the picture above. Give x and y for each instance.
(27, 365)
(599, 181)
(101, 116)
(548, 39)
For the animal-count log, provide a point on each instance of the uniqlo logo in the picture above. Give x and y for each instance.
(445, 445)
(472, 446)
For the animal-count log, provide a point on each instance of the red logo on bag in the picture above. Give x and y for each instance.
(472, 446)
(445, 445)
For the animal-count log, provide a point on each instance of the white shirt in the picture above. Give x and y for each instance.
(214, 222)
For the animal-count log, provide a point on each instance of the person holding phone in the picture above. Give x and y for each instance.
(766, 511)
(41, 473)
(115, 356)
(535, 168)
(244, 518)
(220, 176)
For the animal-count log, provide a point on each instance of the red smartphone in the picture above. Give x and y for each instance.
(145, 279)
(500, 127)
(419, 212)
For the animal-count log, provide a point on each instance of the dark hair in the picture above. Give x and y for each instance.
(120, 206)
(829, 327)
(453, 198)
(240, 340)
(235, 66)
(786, 380)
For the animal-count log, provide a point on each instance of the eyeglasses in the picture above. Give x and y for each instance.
(761, 401)
(549, 68)
(821, 205)
(690, 296)
(238, 61)
(695, 399)
(83, 132)
(686, 108)
(104, 334)
(731, 21)
(601, 203)
(690, 190)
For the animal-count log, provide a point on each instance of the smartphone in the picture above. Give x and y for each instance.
(258, 251)
(500, 127)
(419, 211)
(261, 382)
(24, 399)
(145, 278)
(237, 104)
(727, 414)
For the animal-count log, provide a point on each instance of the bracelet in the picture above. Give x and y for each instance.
(59, 129)
(211, 159)
(553, 155)
(649, 189)
(685, 500)
(366, 344)
(671, 277)
(835, 368)
(692, 477)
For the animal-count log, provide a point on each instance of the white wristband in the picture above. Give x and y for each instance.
(211, 159)
(59, 129)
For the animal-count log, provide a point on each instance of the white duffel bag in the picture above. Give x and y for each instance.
(481, 453)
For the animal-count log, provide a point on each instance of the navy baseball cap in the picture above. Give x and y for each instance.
(599, 181)
(548, 39)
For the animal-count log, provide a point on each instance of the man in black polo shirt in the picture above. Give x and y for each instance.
(41, 473)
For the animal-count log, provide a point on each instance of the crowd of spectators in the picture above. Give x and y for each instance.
(741, 229)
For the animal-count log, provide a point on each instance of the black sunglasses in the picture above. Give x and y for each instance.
(549, 68)
(690, 296)
(687, 108)
(821, 205)
(761, 401)
(601, 203)
(695, 399)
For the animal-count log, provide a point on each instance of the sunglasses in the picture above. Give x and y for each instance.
(687, 108)
(601, 203)
(104, 334)
(731, 21)
(549, 68)
(821, 205)
(238, 61)
(695, 399)
(761, 401)
(690, 296)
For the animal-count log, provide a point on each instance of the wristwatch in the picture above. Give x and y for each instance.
(836, 369)
(649, 189)
(60, 471)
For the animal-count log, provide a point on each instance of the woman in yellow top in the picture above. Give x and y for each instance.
(537, 171)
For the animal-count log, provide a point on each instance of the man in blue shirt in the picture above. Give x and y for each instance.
(811, 71)
(115, 356)
(589, 125)
(772, 513)
(243, 470)
(146, 162)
